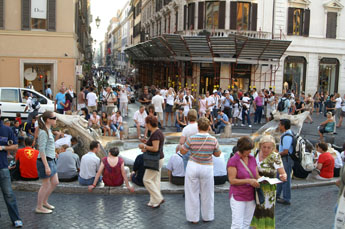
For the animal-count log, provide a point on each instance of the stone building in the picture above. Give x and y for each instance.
(242, 44)
(42, 42)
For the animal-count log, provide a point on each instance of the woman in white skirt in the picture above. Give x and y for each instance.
(199, 181)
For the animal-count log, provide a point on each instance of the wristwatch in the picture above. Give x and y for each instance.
(2, 147)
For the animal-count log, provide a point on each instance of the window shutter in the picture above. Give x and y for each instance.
(233, 15)
(306, 23)
(76, 26)
(51, 15)
(26, 14)
(201, 15)
(254, 17)
(290, 21)
(221, 18)
(191, 14)
(2, 12)
(331, 25)
(184, 17)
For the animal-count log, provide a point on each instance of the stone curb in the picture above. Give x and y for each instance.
(166, 188)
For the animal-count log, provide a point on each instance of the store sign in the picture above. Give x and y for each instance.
(79, 70)
(39, 9)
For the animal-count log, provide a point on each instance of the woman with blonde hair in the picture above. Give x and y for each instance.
(269, 162)
(46, 163)
(169, 99)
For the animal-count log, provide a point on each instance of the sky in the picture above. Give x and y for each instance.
(105, 10)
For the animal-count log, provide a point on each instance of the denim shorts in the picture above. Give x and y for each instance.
(41, 169)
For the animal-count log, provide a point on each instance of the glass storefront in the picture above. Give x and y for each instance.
(294, 74)
(240, 76)
(328, 75)
(209, 77)
(43, 76)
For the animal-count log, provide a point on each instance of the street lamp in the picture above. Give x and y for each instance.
(98, 21)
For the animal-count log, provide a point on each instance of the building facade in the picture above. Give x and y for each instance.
(42, 42)
(313, 61)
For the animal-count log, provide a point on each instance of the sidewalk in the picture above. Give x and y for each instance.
(166, 187)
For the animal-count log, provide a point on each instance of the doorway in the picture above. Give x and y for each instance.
(240, 76)
(328, 75)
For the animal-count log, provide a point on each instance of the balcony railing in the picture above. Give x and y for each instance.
(225, 33)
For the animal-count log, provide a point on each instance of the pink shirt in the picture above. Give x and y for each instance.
(242, 192)
(259, 101)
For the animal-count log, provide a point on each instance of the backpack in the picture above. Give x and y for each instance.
(307, 162)
(298, 145)
(281, 105)
(35, 104)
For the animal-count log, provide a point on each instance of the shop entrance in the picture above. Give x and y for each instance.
(240, 76)
(328, 75)
(294, 74)
(209, 73)
(39, 76)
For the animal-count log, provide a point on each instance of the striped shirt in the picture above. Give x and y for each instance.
(202, 147)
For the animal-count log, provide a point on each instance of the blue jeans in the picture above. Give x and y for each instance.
(114, 127)
(179, 127)
(9, 197)
(85, 182)
(244, 114)
(286, 186)
(185, 159)
(219, 127)
(258, 114)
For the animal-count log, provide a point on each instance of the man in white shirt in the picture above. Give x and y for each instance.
(175, 168)
(91, 99)
(139, 119)
(123, 96)
(110, 100)
(189, 130)
(255, 93)
(89, 165)
(158, 102)
(190, 98)
(209, 101)
(219, 169)
(216, 100)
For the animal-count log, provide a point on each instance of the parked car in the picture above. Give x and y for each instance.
(12, 101)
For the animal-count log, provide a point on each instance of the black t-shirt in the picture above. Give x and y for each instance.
(329, 104)
(148, 97)
(157, 135)
(139, 168)
(299, 106)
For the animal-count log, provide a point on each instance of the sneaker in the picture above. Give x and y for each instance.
(243, 125)
(282, 201)
(18, 223)
(250, 126)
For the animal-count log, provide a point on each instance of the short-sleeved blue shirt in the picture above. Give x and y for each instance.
(60, 98)
(6, 134)
(287, 142)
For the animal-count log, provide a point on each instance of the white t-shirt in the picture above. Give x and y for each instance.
(116, 119)
(29, 105)
(246, 101)
(158, 102)
(140, 117)
(66, 140)
(219, 166)
(190, 100)
(338, 103)
(98, 118)
(163, 92)
(255, 95)
(210, 101)
(338, 162)
(91, 99)
(123, 95)
(170, 99)
(89, 165)
(190, 129)
(176, 165)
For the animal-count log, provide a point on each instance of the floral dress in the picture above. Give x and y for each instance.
(264, 213)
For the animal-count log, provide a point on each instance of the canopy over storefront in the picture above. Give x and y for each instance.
(205, 49)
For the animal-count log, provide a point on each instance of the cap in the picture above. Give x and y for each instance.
(214, 91)
(226, 91)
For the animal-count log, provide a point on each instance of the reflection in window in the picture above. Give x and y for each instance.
(297, 22)
(38, 23)
(212, 15)
(243, 10)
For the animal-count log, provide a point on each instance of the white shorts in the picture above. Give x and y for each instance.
(160, 115)
(81, 105)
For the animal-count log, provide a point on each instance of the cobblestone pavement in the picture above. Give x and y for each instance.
(311, 208)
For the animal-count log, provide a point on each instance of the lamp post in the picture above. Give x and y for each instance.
(98, 21)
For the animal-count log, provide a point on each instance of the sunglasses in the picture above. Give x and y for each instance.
(53, 118)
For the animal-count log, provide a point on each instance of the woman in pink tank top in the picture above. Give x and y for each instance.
(113, 170)
(202, 106)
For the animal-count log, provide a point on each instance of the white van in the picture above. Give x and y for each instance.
(12, 101)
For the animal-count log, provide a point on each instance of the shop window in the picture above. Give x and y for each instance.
(331, 25)
(294, 74)
(243, 16)
(328, 75)
(298, 21)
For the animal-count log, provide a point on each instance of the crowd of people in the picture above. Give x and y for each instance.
(42, 151)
